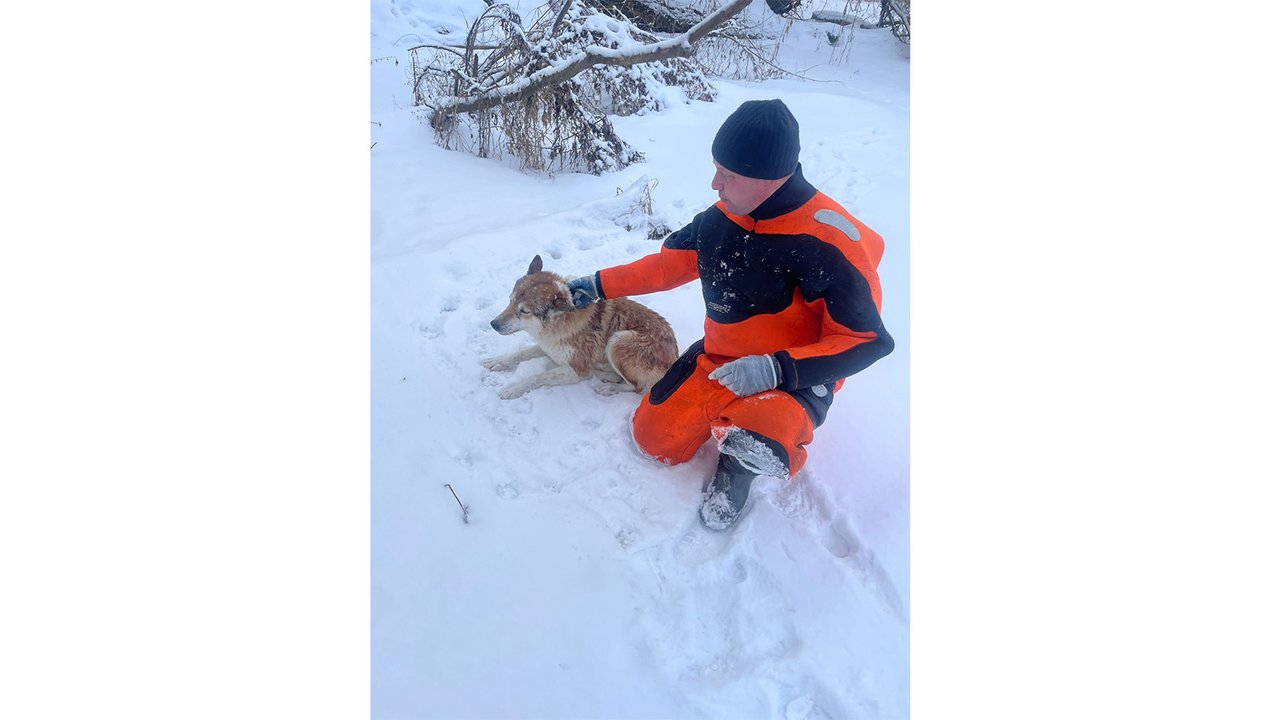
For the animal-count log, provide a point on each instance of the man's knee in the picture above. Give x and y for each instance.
(777, 417)
(669, 440)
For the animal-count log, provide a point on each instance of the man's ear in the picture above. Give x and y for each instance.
(536, 265)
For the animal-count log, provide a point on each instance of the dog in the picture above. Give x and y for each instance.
(627, 345)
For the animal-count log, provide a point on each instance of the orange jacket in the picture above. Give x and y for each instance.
(795, 279)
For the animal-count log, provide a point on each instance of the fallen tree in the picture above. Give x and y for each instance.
(655, 16)
(565, 68)
(544, 93)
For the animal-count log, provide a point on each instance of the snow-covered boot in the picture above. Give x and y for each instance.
(725, 494)
(744, 456)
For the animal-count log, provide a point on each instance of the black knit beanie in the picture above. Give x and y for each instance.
(761, 139)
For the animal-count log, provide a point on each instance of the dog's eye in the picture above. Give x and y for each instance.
(523, 311)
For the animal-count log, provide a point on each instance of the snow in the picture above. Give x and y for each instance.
(581, 584)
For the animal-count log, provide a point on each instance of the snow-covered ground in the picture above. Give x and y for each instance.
(582, 585)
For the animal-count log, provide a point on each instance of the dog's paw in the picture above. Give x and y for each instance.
(609, 388)
(499, 364)
(511, 392)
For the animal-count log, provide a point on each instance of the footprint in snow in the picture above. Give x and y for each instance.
(459, 270)
(467, 455)
(431, 329)
(844, 544)
(696, 546)
(804, 708)
(803, 500)
(589, 242)
(701, 626)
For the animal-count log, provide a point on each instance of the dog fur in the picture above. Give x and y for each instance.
(626, 345)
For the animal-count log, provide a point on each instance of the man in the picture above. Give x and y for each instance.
(793, 307)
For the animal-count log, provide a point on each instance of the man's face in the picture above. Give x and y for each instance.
(741, 194)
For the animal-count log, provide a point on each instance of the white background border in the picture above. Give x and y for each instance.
(184, 290)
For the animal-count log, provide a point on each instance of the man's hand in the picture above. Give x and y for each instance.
(749, 375)
(583, 291)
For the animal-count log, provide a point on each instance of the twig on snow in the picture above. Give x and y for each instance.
(466, 510)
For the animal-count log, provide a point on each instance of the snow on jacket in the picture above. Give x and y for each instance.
(796, 279)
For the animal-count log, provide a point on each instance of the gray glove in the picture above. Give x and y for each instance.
(583, 291)
(749, 375)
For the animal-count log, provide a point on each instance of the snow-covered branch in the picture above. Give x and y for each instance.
(566, 68)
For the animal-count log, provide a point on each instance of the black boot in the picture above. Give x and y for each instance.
(725, 494)
(744, 456)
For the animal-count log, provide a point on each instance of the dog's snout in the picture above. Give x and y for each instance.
(501, 325)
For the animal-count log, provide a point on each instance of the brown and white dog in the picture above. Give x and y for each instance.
(626, 344)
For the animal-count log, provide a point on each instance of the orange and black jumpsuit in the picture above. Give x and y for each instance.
(795, 279)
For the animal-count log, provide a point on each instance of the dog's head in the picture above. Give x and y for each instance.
(536, 297)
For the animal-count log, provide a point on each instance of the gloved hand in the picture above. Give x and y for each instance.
(748, 375)
(583, 291)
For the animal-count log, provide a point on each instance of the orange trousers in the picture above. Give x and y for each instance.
(672, 429)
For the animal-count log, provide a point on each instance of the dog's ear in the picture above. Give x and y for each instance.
(562, 303)
(536, 265)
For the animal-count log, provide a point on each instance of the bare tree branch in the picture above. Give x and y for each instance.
(679, 46)
(564, 9)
